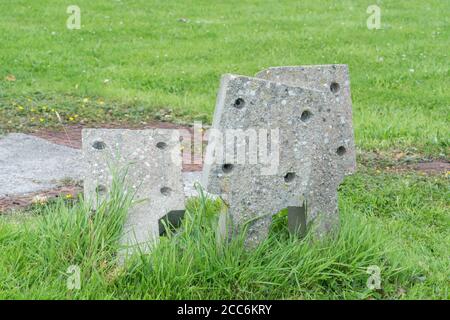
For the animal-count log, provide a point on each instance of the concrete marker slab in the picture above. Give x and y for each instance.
(316, 150)
(152, 159)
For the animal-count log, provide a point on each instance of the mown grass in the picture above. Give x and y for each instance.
(403, 230)
(134, 61)
(138, 60)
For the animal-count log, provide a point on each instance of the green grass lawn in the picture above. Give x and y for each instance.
(398, 223)
(136, 61)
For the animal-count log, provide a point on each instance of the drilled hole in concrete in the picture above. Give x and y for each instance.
(99, 145)
(227, 168)
(306, 116)
(289, 177)
(341, 150)
(100, 189)
(161, 145)
(334, 87)
(166, 191)
(239, 103)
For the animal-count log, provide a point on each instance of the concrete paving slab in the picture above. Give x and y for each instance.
(29, 164)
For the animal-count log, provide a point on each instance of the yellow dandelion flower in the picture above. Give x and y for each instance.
(69, 196)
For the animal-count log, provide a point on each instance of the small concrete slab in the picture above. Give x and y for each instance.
(152, 161)
(29, 164)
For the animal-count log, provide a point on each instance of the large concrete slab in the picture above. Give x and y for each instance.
(29, 164)
(314, 149)
(336, 132)
(152, 161)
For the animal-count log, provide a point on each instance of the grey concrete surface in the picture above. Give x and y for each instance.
(310, 108)
(29, 164)
(152, 162)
